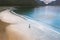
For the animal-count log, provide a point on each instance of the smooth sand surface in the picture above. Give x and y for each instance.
(13, 27)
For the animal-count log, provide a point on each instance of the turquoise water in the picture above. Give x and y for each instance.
(46, 14)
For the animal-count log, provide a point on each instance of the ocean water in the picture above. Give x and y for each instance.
(49, 15)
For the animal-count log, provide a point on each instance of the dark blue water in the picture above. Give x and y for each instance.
(46, 14)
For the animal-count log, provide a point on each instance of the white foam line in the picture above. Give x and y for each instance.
(44, 26)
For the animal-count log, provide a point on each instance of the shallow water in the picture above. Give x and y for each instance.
(47, 14)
